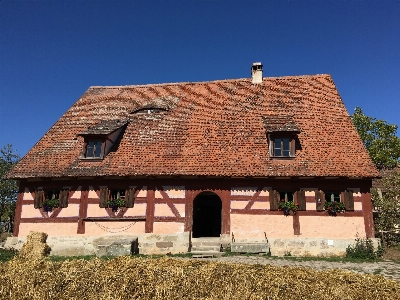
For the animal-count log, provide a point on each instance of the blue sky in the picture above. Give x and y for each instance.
(51, 52)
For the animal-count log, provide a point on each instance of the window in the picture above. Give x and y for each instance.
(94, 149)
(52, 194)
(332, 196)
(286, 196)
(107, 195)
(117, 194)
(51, 200)
(101, 137)
(282, 146)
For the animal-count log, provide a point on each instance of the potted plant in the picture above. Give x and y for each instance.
(287, 206)
(333, 207)
(50, 204)
(116, 204)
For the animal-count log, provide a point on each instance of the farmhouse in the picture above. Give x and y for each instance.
(173, 163)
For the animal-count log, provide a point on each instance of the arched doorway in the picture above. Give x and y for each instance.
(207, 208)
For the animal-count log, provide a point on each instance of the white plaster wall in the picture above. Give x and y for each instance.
(138, 210)
(92, 193)
(94, 210)
(331, 227)
(175, 192)
(238, 204)
(71, 211)
(265, 191)
(163, 210)
(261, 205)
(27, 195)
(310, 193)
(311, 206)
(29, 211)
(143, 192)
(181, 209)
(254, 226)
(77, 193)
(52, 229)
(357, 206)
(167, 227)
(120, 228)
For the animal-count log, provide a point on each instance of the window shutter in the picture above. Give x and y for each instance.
(38, 199)
(130, 198)
(301, 200)
(320, 195)
(293, 149)
(103, 197)
(273, 200)
(63, 199)
(348, 200)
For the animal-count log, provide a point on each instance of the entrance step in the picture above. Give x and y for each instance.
(206, 245)
(214, 248)
(206, 254)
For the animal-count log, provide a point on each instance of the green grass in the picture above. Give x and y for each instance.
(377, 271)
(88, 257)
(328, 259)
(6, 255)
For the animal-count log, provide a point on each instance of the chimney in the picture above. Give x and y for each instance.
(256, 72)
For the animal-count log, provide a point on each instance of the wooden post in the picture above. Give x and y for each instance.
(83, 206)
(151, 194)
(189, 210)
(367, 212)
(296, 224)
(226, 212)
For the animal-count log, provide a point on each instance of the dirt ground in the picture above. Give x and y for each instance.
(387, 268)
(392, 253)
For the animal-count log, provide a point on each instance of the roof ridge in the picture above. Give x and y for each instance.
(204, 82)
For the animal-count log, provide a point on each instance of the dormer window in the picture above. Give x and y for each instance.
(281, 132)
(100, 138)
(94, 149)
(281, 146)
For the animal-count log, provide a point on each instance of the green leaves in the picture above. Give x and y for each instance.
(8, 187)
(387, 201)
(379, 137)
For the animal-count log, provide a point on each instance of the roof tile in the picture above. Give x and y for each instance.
(215, 128)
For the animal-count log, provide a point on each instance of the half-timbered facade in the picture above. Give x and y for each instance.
(174, 162)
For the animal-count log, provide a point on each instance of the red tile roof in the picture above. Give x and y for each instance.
(205, 128)
(280, 123)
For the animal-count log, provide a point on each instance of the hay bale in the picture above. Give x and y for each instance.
(35, 246)
(165, 278)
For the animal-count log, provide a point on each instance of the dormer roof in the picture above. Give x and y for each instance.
(280, 123)
(105, 127)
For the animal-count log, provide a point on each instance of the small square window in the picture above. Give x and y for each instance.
(332, 196)
(282, 146)
(94, 149)
(117, 194)
(286, 196)
(52, 194)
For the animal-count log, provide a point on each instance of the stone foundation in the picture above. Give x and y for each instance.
(92, 245)
(179, 243)
(305, 246)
